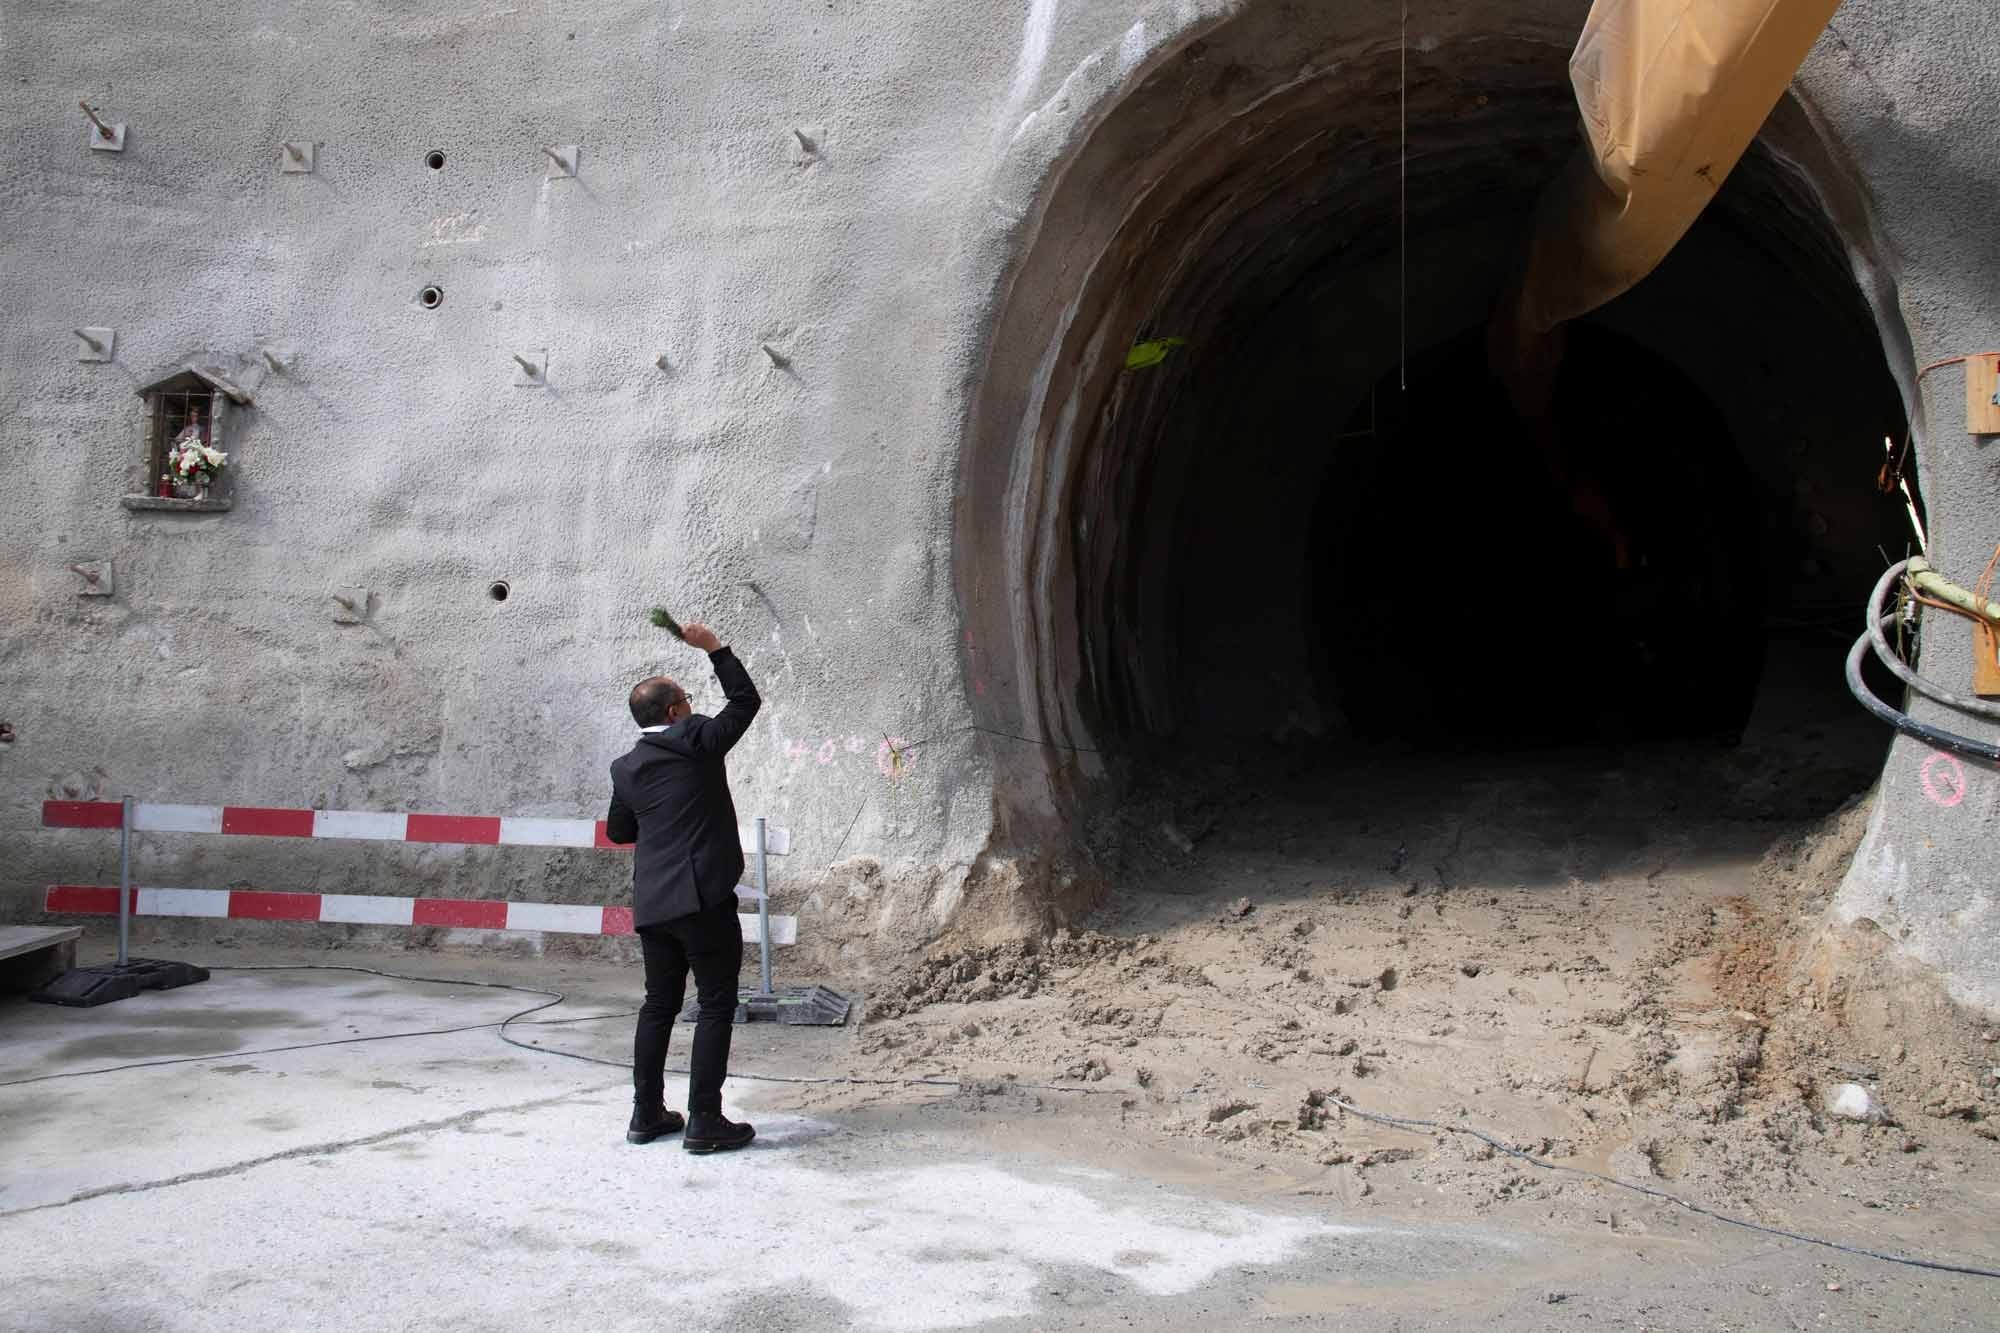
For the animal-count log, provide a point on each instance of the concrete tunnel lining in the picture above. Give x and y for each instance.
(1242, 191)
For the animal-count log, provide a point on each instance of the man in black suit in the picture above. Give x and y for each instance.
(671, 795)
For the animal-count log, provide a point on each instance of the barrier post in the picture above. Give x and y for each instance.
(813, 1005)
(763, 918)
(124, 880)
(86, 987)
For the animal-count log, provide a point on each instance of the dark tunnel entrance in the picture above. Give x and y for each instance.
(1266, 540)
(1543, 631)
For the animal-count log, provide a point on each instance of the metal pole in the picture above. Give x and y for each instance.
(124, 877)
(763, 917)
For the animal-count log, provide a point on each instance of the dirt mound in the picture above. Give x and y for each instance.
(1597, 983)
(1012, 968)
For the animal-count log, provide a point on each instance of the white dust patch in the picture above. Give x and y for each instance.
(940, 1246)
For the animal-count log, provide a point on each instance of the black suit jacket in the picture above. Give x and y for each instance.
(671, 796)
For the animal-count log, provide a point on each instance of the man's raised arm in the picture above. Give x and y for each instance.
(722, 731)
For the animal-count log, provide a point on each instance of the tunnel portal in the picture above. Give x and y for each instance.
(1315, 521)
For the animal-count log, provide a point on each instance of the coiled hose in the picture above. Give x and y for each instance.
(1874, 637)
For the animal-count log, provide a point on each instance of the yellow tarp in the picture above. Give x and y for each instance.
(1671, 94)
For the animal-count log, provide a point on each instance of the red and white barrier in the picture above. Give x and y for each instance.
(262, 821)
(360, 909)
(369, 909)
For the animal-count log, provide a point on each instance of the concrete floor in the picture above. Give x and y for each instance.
(449, 1181)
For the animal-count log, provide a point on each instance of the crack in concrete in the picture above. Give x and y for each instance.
(458, 1121)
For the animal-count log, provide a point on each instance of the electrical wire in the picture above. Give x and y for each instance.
(1903, 722)
(826, 871)
(226, 1055)
(554, 998)
(1891, 475)
(1891, 659)
(897, 751)
(1879, 640)
(1873, 638)
(853, 1079)
(1407, 1122)
(908, 746)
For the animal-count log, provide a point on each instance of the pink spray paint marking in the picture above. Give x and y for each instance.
(892, 757)
(1944, 780)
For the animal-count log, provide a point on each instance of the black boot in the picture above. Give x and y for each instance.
(651, 1122)
(709, 1132)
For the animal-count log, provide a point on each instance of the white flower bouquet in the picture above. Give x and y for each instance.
(191, 463)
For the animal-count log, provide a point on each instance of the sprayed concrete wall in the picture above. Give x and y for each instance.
(801, 509)
(891, 203)
(1905, 87)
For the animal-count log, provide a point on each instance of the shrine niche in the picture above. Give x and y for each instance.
(188, 413)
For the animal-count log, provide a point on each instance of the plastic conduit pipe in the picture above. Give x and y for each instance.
(1874, 639)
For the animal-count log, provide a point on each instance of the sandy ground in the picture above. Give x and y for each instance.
(449, 1181)
(1615, 966)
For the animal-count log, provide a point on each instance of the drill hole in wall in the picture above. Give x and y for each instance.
(430, 298)
(498, 590)
(434, 160)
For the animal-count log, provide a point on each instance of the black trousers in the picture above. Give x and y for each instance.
(710, 943)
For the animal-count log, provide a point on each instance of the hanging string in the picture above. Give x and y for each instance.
(1403, 210)
(1891, 475)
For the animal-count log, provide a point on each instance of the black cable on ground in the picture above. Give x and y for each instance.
(555, 998)
(1406, 1122)
(227, 1055)
(315, 1045)
(308, 1045)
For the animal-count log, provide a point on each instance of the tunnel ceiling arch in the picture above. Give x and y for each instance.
(1127, 543)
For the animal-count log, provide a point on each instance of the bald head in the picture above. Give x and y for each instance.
(657, 700)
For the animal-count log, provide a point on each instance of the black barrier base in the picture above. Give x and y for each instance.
(84, 987)
(799, 1006)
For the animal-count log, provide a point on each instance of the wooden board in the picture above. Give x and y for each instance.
(1985, 662)
(1982, 379)
(26, 939)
